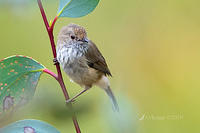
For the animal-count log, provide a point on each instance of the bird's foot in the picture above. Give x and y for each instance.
(70, 101)
(55, 61)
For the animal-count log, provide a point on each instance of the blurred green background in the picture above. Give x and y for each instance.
(152, 49)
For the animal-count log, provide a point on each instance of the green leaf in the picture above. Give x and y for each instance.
(19, 76)
(76, 8)
(29, 126)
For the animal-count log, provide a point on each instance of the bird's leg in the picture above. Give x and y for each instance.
(55, 61)
(73, 99)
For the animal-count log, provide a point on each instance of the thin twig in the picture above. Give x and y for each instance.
(59, 77)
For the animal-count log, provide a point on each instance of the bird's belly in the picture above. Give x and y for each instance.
(77, 69)
(79, 72)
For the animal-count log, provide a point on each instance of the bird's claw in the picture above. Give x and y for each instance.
(55, 61)
(70, 101)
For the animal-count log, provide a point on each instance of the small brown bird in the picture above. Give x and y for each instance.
(82, 61)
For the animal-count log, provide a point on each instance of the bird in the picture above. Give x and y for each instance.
(82, 61)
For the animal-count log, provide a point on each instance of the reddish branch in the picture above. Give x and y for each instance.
(59, 76)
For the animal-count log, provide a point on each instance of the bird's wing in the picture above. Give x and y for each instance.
(96, 60)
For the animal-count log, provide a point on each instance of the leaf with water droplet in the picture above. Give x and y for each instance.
(29, 126)
(19, 76)
(76, 8)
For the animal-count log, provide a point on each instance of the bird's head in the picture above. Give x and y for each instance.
(72, 34)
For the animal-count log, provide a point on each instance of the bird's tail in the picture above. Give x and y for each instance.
(112, 99)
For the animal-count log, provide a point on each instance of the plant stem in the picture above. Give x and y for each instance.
(59, 77)
(54, 21)
(50, 73)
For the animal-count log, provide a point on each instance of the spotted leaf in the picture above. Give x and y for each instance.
(19, 76)
(29, 126)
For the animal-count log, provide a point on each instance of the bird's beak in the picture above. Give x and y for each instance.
(85, 40)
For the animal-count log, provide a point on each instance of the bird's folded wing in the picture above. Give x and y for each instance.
(96, 60)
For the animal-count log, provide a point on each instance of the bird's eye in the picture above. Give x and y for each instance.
(73, 37)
